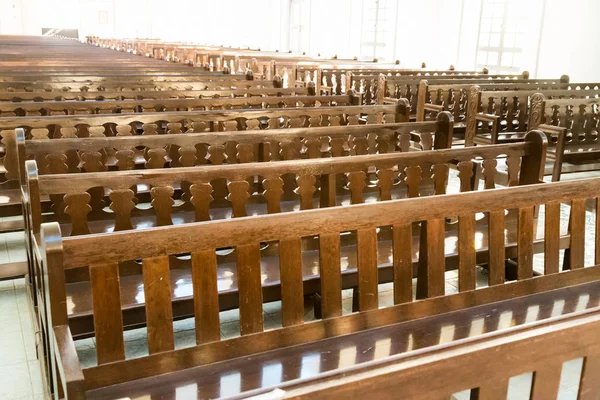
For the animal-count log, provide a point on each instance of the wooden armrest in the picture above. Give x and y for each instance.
(433, 107)
(557, 130)
(487, 117)
(390, 100)
(68, 363)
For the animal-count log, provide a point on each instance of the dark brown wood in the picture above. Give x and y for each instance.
(249, 281)
(290, 255)
(331, 280)
(496, 247)
(159, 311)
(108, 322)
(206, 300)
(525, 259)
(551, 238)
(367, 269)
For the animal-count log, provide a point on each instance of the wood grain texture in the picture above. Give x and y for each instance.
(108, 320)
(496, 247)
(159, 310)
(551, 238)
(292, 296)
(367, 269)
(402, 242)
(250, 288)
(577, 230)
(206, 299)
(331, 279)
(525, 232)
(466, 252)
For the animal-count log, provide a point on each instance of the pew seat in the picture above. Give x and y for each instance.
(261, 373)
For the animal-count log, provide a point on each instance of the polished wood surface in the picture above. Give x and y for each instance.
(165, 208)
(572, 126)
(282, 367)
(247, 233)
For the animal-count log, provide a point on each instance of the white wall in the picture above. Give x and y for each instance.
(571, 40)
(438, 32)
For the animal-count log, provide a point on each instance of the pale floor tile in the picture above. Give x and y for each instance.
(15, 381)
(20, 373)
(136, 348)
(185, 338)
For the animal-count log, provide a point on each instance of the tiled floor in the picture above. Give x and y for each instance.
(20, 376)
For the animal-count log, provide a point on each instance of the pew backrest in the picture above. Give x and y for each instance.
(130, 106)
(417, 173)
(151, 94)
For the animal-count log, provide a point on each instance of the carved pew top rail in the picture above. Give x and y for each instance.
(128, 76)
(377, 89)
(577, 114)
(217, 148)
(102, 253)
(202, 121)
(150, 94)
(508, 111)
(455, 96)
(573, 125)
(132, 85)
(151, 105)
(408, 168)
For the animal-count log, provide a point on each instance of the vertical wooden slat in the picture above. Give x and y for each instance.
(159, 309)
(108, 318)
(402, 263)
(525, 243)
(250, 288)
(331, 277)
(552, 238)
(546, 381)
(496, 252)
(206, 296)
(466, 252)
(328, 194)
(432, 260)
(577, 247)
(367, 269)
(589, 384)
(292, 293)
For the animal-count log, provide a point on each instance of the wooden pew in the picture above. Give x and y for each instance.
(12, 109)
(101, 254)
(326, 141)
(273, 194)
(504, 115)
(201, 84)
(148, 94)
(453, 96)
(73, 126)
(337, 79)
(126, 76)
(566, 343)
(378, 88)
(202, 121)
(572, 125)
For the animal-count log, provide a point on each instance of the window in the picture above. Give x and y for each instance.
(378, 29)
(504, 34)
